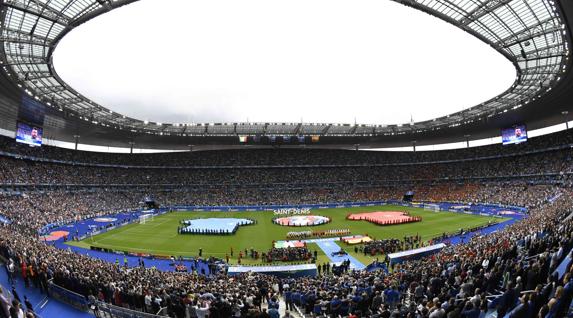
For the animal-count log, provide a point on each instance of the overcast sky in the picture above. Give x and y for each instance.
(373, 61)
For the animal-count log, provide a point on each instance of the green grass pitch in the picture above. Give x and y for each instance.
(159, 236)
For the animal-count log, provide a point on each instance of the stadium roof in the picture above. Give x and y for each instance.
(532, 34)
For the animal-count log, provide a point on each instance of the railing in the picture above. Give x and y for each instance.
(67, 296)
(99, 309)
(106, 310)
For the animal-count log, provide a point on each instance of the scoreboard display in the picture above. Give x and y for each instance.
(30, 124)
(514, 135)
(28, 134)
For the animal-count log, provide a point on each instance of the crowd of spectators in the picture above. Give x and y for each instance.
(392, 245)
(516, 263)
(382, 247)
(544, 159)
(287, 254)
(555, 166)
(285, 156)
(457, 276)
(33, 210)
(29, 212)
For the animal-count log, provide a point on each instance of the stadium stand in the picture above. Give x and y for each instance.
(514, 266)
(288, 157)
(519, 270)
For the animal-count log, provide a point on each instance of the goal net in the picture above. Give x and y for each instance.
(432, 207)
(145, 218)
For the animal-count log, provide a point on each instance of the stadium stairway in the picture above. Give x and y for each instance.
(330, 247)
(44, 306)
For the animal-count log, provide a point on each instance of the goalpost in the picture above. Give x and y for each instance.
(144, 218)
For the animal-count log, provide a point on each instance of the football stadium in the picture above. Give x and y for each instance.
(249, 158)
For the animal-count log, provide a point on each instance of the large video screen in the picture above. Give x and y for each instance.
(30, 135)
(514, 135)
